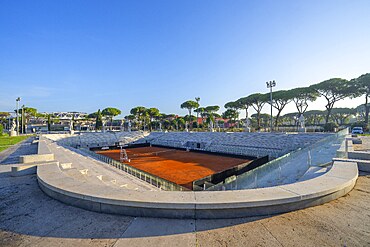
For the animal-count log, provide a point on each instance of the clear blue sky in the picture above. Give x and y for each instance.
(84, 55)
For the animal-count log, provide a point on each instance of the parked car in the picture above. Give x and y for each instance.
(357, 130)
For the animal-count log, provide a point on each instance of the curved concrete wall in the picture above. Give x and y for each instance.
(206, 204)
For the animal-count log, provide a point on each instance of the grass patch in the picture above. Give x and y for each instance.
(7, 141)
(365, 134)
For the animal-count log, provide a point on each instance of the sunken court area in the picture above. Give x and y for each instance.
(195, 161)
(178, 166)
(29, 217)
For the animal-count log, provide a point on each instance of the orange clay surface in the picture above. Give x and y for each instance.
(177, 166)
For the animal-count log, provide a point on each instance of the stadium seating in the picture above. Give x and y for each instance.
(74, 165)
(240, 143)
(250, 144)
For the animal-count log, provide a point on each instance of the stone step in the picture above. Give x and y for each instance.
(360, 155)
(363, 165)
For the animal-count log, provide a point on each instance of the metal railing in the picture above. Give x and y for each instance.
(149, 178)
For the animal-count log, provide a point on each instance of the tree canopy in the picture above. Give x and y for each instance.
(231, 114)
(333, 90)
(92, 115)
(257, 101)
(362, 83)
(279, 100)
(341, 115)
(152, 113)
(98, 121)
(30, 111)
(189, 105)
(212, 108)
(111, 111)
(244, 103)
(232, 105)
(301, 96)
(140, 113)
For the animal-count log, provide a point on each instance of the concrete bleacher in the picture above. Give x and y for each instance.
(81, 167)
(249, 144)
(240, 143)
(76, 166)
(82, 181)
(96, 139)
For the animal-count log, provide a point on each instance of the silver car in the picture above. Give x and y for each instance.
(357, 130)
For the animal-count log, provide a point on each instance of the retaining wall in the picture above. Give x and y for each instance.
(206, 204)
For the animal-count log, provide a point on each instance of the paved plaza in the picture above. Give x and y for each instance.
(28, 217)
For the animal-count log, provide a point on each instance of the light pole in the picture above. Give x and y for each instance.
(9, 121)
(17, 100)
(271, 84)
(22, 120)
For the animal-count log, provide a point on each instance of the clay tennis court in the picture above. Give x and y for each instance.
(177, 166)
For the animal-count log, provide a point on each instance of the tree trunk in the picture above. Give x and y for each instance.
(277, 118)
(190, 123)
(328, 114)
(366, 109)
(49, 123)
(197, 118)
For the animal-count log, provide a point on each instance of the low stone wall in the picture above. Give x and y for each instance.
(27, 169)
(28, 163)
(35, 158)
(338, 181)
(362, 158)
(361, 155)
(43, 155)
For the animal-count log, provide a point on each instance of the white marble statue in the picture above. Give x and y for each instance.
(121, 127)
(301, 121)
(13, 126)
(103, 127)
(129, 126)
(210, 125)
(247, 123)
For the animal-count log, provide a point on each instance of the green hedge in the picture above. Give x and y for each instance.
(329, 127)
